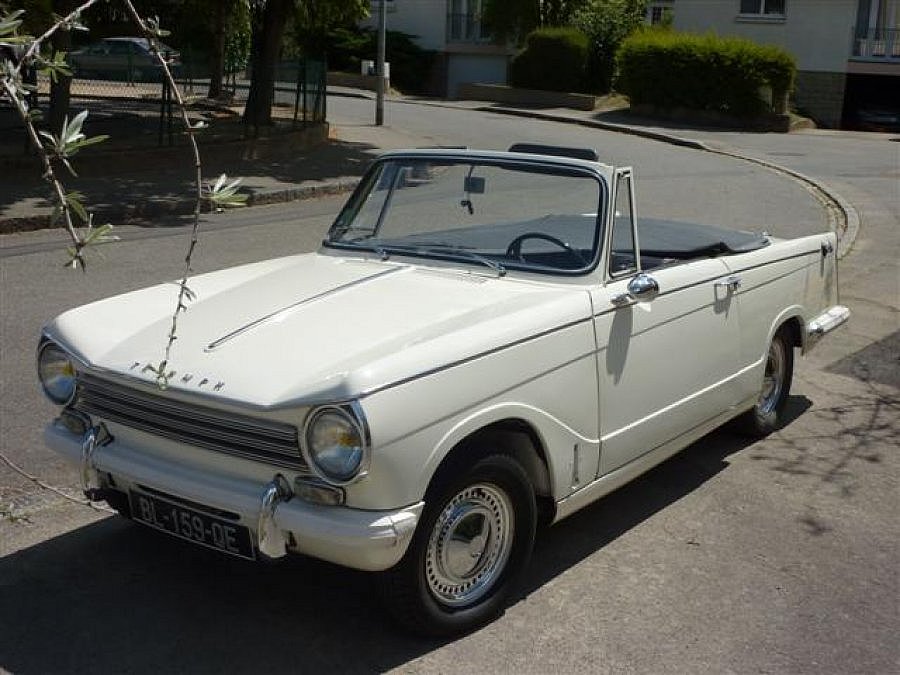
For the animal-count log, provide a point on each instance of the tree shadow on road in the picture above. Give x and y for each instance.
(154, 188)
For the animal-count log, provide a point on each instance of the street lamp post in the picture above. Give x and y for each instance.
(379, 65)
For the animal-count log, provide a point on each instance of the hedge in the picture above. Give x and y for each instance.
(704, 72)
(554, 59)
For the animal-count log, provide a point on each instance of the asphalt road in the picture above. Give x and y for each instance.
(775, 556)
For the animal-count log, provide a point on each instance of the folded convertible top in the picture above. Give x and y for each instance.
(674, 239)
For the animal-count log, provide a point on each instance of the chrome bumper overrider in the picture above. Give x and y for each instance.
(825, 323)
(279, 521)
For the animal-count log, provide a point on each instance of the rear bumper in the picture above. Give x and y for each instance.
(365, 540)
(823, 324)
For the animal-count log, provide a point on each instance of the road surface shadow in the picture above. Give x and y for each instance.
(114, 596)
(878, 362)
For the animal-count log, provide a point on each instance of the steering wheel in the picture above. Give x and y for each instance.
(514, 250)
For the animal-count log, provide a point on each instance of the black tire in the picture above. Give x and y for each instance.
(494, 502)
(768, 414)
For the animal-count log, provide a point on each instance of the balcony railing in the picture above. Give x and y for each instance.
(877, 44)
(467, 28)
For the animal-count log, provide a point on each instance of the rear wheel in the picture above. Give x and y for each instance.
(768, 413)
(468, 552)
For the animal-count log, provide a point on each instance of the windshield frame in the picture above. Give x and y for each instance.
(514, 161)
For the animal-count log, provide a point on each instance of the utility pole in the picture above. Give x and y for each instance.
(379, 64)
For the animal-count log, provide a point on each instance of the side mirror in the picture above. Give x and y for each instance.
(643, 287)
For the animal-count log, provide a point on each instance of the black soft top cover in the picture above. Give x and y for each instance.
(683, 241)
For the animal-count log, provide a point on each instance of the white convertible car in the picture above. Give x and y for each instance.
(484, 340)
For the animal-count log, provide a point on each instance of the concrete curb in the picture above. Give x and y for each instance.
(842, 214)
(595, 124)
(182, 207)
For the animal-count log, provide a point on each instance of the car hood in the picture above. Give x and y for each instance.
(313, 327)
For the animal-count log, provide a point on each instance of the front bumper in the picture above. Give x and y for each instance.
(364, 540)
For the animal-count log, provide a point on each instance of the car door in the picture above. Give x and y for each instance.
(668, 341)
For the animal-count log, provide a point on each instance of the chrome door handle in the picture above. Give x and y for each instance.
(731, 283)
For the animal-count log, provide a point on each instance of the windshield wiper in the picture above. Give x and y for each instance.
(384, 250)
(471, 255)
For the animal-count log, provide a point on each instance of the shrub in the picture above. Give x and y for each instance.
(411, 65)
(606, 23)
(554, 59)
(703, 72)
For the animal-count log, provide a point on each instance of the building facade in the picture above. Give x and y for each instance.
(452, 28)
(847, 51)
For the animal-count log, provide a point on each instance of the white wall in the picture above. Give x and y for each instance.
(480, 68)
(426, 19)
(816, 32)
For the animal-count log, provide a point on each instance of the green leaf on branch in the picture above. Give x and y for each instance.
(75, 204)
(224, 194)
(55, 68)
(153, 26)
(70, 140)
(10, 23)
(92, 236)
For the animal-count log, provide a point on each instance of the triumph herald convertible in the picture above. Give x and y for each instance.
(484, 340)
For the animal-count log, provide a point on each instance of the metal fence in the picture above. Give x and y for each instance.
(136, 107)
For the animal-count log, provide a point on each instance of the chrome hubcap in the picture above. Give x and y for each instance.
(773, 380)
(469, 545)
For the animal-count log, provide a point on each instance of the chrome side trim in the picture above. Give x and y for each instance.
(284, 310)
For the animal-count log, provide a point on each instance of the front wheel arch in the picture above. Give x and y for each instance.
(514, 437)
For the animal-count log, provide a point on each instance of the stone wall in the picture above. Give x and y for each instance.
(820, 95)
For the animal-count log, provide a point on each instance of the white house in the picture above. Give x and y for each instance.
(453, 28)
(847, 51)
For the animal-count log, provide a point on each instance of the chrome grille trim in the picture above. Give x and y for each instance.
(253, 438)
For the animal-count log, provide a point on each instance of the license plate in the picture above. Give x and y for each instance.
(195, 526)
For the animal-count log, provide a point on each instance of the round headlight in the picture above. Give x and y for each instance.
(56, 372)
(335, 444)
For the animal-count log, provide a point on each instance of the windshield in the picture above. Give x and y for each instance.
(498, 214)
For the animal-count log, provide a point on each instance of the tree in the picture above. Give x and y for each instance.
(230, 21)
(269, 18)
(607, 23)
(314, 19)
(514, 19)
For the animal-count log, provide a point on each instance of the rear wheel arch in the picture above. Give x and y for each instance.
(794, 329)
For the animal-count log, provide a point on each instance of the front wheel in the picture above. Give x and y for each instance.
(769, 412)
(468, 552)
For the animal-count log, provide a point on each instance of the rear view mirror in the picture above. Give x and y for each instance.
(474, 185)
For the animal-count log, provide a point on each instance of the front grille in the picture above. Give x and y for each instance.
(249, 437)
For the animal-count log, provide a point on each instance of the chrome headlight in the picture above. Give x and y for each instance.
(56, 371)
(337, 444)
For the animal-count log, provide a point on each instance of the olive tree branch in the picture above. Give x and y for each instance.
(220, 194)
(70, 20)
(49, 174)
(62, 147)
